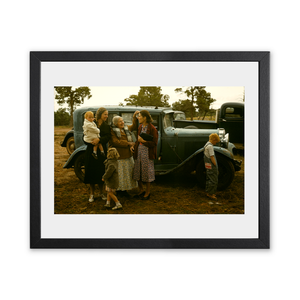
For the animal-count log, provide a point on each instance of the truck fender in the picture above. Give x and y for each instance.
(67, 136)
(70, 162)
(220, 150)
(190, 162)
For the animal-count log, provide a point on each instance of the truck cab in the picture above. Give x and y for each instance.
(229, 116)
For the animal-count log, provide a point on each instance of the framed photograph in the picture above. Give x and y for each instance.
(198, 179)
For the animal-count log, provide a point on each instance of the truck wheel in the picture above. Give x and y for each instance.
(190, 127)
(226, 172)
(79, 166)
(70, 145)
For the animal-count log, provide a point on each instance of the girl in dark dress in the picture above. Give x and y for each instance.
(94, 168)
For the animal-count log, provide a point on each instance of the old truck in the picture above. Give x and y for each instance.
(179, 150)
(230, 116)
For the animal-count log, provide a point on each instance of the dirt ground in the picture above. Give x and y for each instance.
(170, 194)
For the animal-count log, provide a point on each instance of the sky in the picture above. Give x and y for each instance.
(114, 95)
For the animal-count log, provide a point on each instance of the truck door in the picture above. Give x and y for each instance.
(232, 120)
(169, 151)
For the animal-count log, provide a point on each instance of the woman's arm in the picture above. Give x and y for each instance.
(134, 124)
(212, 158)
(108, 172)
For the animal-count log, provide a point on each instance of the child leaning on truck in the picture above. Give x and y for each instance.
(91, 132)
(211, 166)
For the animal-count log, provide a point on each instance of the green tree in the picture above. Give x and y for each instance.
(191, 93)
(61, 117)
(203, 102)
(72, 97)
(185, 106)
(197, 98)
(149, 96)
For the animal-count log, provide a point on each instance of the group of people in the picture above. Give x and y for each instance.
(125, 164)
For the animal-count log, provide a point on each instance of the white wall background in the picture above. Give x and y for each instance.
(149, 26)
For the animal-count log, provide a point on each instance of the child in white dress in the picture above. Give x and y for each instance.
(91, 132)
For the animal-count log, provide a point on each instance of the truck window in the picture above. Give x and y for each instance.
(155, 121)
(127, 117)
(179, 116)
(110, 117)
(235, 112)
(168, 121)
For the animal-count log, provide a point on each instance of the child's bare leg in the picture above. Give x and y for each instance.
(100, 147)
(94, 154)
(112, 196)
(108, 200)
(118, 204)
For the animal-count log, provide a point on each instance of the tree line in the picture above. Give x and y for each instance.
(195, 102)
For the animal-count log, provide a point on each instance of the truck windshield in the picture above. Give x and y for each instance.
(168, 120)
(179, 116)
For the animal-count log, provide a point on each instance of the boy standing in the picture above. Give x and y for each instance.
(211, 166)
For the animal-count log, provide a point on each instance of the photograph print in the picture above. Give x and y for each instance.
(149, 150)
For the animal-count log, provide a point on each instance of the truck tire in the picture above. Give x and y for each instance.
(70, 145)
(79, 166)
(226, 172)
(190, 127)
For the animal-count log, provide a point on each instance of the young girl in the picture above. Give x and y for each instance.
(91, 132)
(111, 177)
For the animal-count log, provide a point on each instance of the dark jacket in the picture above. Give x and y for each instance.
(111, 176)
(94, 168)
(105, 135)
(151, 145)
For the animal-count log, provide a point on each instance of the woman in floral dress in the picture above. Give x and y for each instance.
(144, 154)
(122, 140)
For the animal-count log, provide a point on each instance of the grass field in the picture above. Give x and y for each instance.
(170, 194)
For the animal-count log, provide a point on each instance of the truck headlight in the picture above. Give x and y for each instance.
(224, 138)
(221, 133)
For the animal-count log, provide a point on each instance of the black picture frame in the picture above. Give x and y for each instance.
(263, 240)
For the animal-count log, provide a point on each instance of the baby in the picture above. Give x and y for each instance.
(91, 132)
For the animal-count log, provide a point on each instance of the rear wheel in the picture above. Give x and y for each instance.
(79, 166)
(70, 145)
(226, 172)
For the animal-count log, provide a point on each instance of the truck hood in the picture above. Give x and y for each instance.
(191, 132)
(195, 121)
